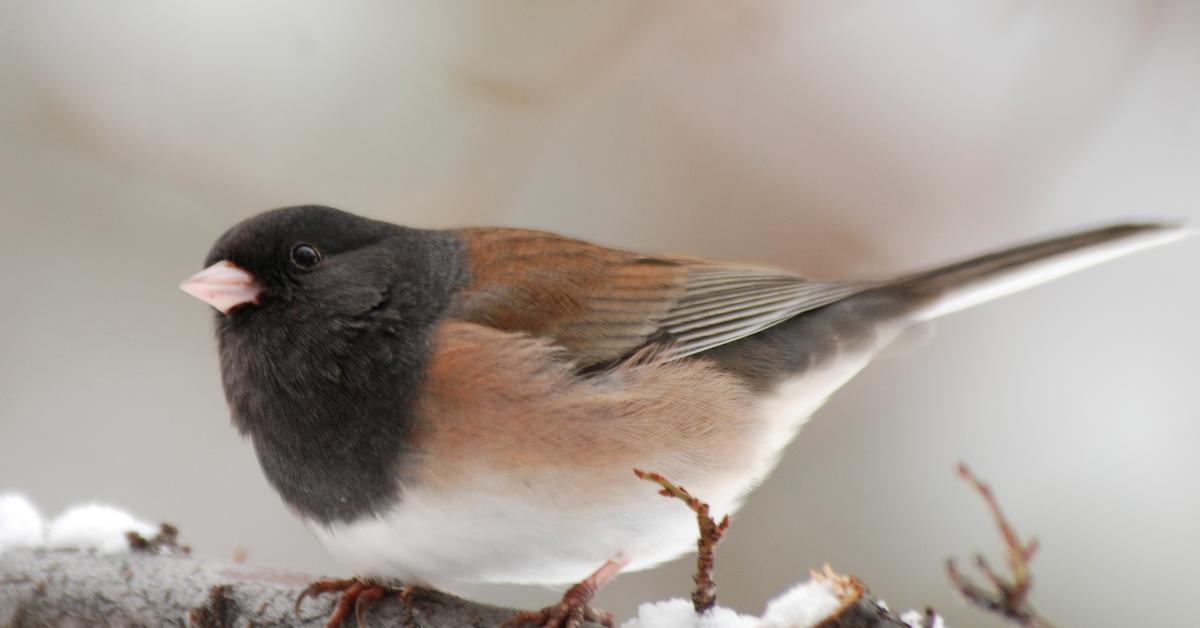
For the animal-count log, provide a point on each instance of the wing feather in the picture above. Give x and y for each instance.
(602, 304)
(731, 304)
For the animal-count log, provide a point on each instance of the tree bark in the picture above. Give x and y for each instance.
(77, 588)
(71, 588)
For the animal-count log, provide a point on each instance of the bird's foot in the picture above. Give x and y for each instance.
(571, 612)
(357, 594)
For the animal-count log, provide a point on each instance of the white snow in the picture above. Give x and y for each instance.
(91, 526)
(806, 604)
(916, 619)
(20, 523)
(95, 526)
(677, 613)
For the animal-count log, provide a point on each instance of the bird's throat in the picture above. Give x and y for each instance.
(329, 427)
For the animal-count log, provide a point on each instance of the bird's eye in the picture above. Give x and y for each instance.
(305, 256)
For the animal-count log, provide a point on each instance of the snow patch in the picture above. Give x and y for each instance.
(90, 526)
(677, 613)
(20, 523)
(916, 619)
(806, 604)
(95, 526)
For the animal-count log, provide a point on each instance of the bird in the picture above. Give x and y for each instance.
(458, 406)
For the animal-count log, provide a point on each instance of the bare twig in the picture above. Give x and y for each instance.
(931, 617)
(1007, 597)
(704, 596)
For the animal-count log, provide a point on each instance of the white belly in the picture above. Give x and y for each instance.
(478, 536)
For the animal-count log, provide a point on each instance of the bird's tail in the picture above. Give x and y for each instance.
(963, 284)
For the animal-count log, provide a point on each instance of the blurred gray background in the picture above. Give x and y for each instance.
(831, 138)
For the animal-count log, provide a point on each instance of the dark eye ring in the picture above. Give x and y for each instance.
(305, 256)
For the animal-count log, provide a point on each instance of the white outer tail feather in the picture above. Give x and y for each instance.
(1036, 272)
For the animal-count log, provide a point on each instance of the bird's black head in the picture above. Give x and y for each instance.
(299, 258)
(324, 328)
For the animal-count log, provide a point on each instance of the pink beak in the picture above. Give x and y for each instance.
(223, 286)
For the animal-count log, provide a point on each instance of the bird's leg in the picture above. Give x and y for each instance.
(357, 594)
(574, 608)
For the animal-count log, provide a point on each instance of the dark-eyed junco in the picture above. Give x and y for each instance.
(460, 406)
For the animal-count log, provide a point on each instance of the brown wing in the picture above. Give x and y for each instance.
(601, 304)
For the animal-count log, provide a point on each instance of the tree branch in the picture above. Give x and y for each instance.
(81, 588)
(41, 587)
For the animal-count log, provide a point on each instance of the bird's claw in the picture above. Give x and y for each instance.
(571, 612)
(355, 593)
(560, 615)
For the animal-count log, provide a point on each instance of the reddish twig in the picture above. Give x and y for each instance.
(1007, 597)
(704, 596)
